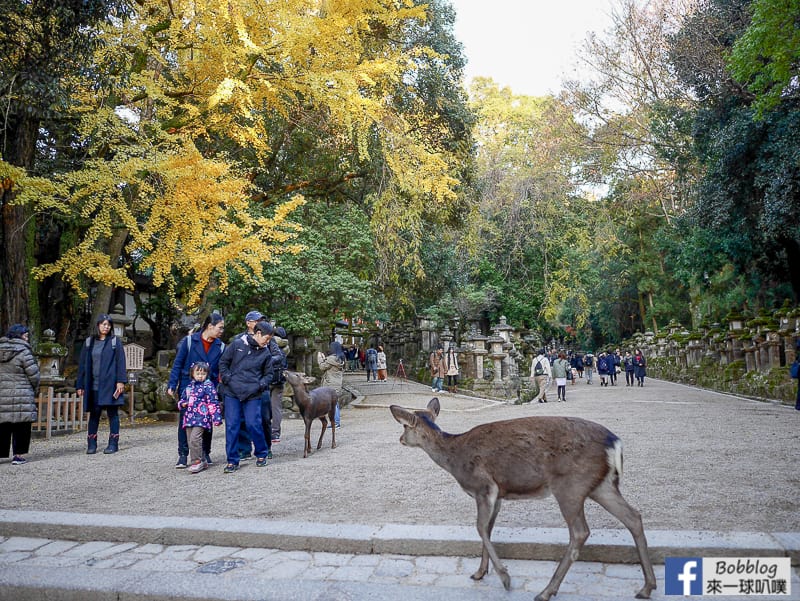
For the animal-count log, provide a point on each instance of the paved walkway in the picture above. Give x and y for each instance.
(713, 476)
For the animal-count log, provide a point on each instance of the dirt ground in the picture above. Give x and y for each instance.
(694, 460)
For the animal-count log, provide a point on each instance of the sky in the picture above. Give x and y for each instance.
(526, 44)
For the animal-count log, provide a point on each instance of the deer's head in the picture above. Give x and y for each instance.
(418, 425)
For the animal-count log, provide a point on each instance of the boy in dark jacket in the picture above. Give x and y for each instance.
(246, 372)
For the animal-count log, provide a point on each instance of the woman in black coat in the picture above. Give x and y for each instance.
(101, 382)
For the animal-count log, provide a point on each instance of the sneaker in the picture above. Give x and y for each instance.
(207, 459)
(274, 440)
(181, 465)
(269, 455)
(245, 457)
(433, 390)
(198, 467)
(230, 468)
(261, 462)
(17, 460)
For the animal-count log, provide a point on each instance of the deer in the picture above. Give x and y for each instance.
(532, 457)
(320, 404)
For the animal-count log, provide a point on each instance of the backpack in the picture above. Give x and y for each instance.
(587, 360)
(188, 339)
(602, 364)
(113, 342)
(538, 370)
(794, 370)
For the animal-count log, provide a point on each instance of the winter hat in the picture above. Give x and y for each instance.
(17, 331)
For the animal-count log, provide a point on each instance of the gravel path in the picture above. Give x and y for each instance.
(694, 460)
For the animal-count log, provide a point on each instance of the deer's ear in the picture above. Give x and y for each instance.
(404, 416)
(433, 407)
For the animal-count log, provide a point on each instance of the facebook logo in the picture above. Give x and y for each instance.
(683, 576)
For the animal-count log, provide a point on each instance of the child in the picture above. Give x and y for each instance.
(202, 412)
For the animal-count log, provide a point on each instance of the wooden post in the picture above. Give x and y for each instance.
(131, 400)
(49, 430)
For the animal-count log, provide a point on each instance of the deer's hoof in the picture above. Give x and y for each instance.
(478, 575)
(505, 579)
(644, 593)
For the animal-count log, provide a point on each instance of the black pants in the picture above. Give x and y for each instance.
(15, 435)
(629, 377)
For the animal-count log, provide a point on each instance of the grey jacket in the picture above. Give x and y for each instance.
(19, 380)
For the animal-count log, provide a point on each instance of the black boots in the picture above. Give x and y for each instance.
(91, 444)
(113, 444)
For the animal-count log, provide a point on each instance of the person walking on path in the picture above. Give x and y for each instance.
(588, 365)
(281, 341)
(381, 359)
(639, 367)
(627, 361)
(331, 366)
(452, 370)
(603, 367)
(540, 376)
(614, 366)
(560, 367)
(101, 382)
(204, 346)
(19, 380)
(201, 411)
(246, 372)
(438, 369)
(372, 364)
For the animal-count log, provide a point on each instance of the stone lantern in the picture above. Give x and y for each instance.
(497, 355)
(121, 321)
(51, 358)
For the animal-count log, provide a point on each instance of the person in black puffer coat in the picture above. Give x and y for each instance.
(246, 371)
(19, 380)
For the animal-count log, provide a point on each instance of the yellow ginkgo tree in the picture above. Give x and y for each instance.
(175, 119)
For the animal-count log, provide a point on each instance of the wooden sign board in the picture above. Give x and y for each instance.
(134, 357)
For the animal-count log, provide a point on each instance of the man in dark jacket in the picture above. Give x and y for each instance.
(246, 372)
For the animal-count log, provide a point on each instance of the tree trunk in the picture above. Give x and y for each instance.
(15, 232)
(102, 300)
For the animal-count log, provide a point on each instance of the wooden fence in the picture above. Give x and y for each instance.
(59, 412)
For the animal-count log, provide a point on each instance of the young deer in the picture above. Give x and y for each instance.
(530, 457)
(320, 404)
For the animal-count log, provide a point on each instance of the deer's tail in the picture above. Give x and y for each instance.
(614, 457)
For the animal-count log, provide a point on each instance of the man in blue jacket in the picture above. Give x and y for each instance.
(246, 372)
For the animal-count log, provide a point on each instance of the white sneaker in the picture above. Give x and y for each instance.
(198, 467)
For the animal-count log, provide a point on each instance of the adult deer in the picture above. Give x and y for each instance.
(320, 404)
(530, 457)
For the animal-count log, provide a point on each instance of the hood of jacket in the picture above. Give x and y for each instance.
(11, 347)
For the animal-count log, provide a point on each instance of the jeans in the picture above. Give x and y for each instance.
(113, 418)
(589, 373)
(251, 411)
(276, 401)
(245, 442)
(437, 383)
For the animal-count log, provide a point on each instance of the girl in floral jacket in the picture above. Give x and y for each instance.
(203, 412)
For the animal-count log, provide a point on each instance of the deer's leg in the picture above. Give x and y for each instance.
(324, 421)
(332, 417)
(488, 507)
(484, 552)
(307, 441)
(572, 510)
(607, 495)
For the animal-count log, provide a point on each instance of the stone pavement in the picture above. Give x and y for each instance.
(131, 527)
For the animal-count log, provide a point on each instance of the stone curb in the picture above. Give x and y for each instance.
(604, 545)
